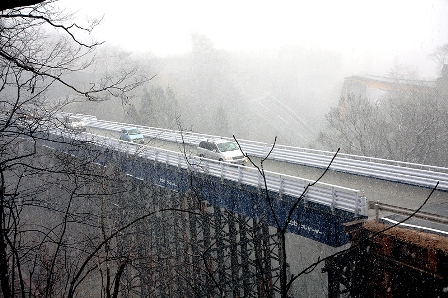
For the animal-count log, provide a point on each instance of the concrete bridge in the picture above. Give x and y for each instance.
(168, 160)
(339, 197)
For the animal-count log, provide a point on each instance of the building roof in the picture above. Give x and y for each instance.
(389, 84)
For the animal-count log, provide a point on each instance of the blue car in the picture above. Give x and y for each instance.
(131, 134)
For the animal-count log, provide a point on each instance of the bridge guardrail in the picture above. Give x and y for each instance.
(323, 193)
(402, 172)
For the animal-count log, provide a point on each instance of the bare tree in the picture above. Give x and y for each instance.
(404, 125)
(440, 55)
(355, 126)
(39, 48)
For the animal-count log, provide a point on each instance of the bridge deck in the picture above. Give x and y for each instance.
(392, 193)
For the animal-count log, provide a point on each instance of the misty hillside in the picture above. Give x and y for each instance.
(283, 93)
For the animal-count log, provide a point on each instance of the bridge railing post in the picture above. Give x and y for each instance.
(156, 154)
(240, 176)
(377, 211)
(259, 181)
(333, 199)
(363, 203)
(179, 162)
(221, 164)
(280, 189)
(356, 204)
(167, 159)
(305, 197)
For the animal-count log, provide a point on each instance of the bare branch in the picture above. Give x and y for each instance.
(10, 4)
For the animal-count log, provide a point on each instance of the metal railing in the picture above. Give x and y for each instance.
(330, 195)
(402, 172)
(377, 206)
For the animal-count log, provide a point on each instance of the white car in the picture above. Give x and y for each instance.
(70, 122)
(75, 123)
(221, 150)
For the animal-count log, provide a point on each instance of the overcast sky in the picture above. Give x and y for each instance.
(357, 28)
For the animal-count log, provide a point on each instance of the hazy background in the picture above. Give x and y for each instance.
(252, 68)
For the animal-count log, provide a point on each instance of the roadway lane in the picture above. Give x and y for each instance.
(392, 193)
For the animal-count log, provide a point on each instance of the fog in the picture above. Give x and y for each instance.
(368, 78)
(254, 70)
(358, 29)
